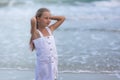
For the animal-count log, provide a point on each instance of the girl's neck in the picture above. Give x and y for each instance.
(41, 27)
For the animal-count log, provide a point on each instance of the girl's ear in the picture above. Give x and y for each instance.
(38, 19)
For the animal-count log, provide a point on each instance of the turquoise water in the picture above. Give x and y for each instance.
(88, 41)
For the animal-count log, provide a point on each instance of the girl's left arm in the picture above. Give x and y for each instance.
(59, 21)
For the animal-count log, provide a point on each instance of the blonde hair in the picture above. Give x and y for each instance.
(40, 11)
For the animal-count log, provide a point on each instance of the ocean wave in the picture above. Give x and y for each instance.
(103, 3)
(110, 3)
(10, 3)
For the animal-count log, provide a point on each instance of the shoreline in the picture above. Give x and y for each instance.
(74, 72)
(29, 75)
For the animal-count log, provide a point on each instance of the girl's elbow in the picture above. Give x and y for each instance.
(63, 17)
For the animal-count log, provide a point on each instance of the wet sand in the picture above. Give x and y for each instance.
(29, 75)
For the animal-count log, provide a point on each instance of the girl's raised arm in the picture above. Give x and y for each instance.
(33, 29)
(33, 25)
(60, 20)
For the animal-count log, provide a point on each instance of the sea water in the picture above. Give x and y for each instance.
(88, 40)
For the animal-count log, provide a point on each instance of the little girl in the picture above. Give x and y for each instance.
(43, 42)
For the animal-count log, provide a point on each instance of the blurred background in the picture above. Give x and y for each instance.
(88, 40)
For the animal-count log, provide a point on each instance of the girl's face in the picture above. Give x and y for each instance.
(45, 20)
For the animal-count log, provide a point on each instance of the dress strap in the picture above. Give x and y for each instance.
(41, 35)
(49, 31)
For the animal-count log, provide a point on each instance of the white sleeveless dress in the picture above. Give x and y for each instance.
(47, 61)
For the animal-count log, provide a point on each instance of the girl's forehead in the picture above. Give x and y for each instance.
(46, 14)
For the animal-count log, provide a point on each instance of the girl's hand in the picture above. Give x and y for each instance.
(34, 19)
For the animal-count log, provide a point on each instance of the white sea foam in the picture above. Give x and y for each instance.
(107, 4)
